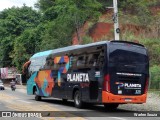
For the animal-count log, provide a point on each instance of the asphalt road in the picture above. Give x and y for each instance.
(56, 109)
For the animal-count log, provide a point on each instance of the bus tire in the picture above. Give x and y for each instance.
(37, 98)
(77, 99)
(111, 106)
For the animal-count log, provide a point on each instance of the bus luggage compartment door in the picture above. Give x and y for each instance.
(93, 89)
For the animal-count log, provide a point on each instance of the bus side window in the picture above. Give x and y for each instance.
(93, 58)
(80, 61)
(73, 61)
(86, 60)
(49, 63)
(90, 60)
(55, 66)
(101, 58)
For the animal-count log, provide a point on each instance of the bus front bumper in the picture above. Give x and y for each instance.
(122, 99)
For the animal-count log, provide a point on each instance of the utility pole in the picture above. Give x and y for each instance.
(115, 20)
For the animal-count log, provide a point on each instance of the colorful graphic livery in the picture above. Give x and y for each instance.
(109, 73)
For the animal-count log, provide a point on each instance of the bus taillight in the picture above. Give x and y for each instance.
(106, 84)
(146, 85)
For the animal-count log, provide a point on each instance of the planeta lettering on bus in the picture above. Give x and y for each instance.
(132, 85)
(78, 77)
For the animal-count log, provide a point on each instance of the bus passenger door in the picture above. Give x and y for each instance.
(62, 88)
(68, 87)
(93, 87)
(56, 90)
(95, 74)
(59, 90)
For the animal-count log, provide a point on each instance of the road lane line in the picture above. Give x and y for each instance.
(5, 96)
(23, 101)
(118, 118)
(22, 90)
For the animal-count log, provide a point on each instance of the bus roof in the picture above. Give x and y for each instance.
(46, 53)
(129, 42)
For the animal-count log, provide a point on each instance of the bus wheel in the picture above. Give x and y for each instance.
(111, 106)
(77, 99)
(37, 98)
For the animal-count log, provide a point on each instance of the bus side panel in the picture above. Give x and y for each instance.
(85, 91)
(31, 83)
(44, 83)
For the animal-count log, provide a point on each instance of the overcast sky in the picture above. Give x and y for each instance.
(18, 3)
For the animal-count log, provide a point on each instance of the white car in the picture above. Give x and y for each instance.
(1, 85)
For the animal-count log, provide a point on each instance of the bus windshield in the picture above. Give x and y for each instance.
(125, 55)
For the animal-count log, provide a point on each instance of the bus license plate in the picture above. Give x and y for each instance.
(128, 99)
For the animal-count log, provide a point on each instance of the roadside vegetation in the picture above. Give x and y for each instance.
(25, 31)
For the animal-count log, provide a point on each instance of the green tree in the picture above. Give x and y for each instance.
(43, 5)
(77, 12)
(56, 35)
(13, 22)
(26, 45)
(68, 17)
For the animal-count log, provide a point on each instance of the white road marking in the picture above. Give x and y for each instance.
(21, 90)
(118, 118)
(24, 101)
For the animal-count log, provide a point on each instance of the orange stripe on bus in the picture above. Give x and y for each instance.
(111, 98)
